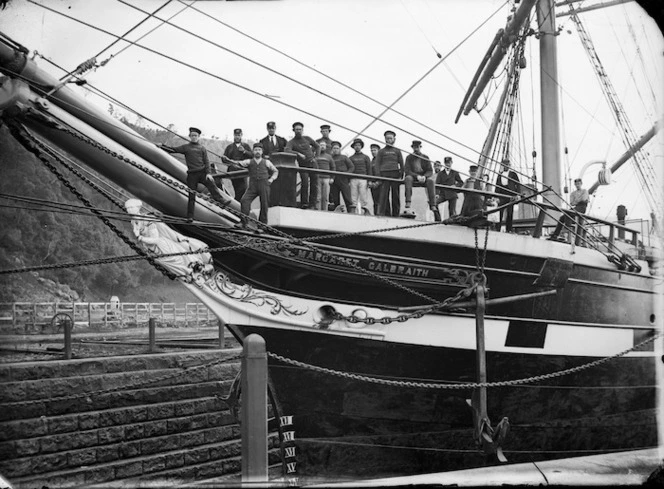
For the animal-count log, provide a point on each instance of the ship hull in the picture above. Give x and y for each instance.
(346, 427)
(432, 263)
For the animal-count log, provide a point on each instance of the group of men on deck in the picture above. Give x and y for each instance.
(318, 189)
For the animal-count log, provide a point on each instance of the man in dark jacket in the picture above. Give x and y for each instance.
(306, 150)
(451, 178)
(511, 188)
(375, 186)
(237, 151)
(261, 174)
(272, 143)
(198, 169)
(341, 185)
(389, 162)
(418, 172)
(282, 193)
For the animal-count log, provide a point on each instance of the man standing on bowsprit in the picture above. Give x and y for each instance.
(198, 169)
(389, 162)
(237, 151)
(306, 150)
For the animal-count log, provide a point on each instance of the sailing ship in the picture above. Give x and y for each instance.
(395, 344)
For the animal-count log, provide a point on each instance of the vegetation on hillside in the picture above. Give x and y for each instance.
(31, 235)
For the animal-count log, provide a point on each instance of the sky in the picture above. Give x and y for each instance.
(379, 48)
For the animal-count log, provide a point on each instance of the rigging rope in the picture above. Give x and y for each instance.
(37, 148)
(321, 92)
(181, 62)
(645, 172)
(261, 94)
(411, 119)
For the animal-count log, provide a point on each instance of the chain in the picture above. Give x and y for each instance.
(154, 174)
(402, 318)
(135, 385)
(34, 146)
(296, 241)
(291, 239)
(480, 258)
(468, 385)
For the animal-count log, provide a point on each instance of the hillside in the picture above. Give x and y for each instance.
(31, 235)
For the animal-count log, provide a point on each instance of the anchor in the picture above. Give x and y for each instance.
(489, 439)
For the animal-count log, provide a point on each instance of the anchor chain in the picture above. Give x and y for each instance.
(292, 240)
(402, 318)
(39, 150)
(467, 385)
(436, 304)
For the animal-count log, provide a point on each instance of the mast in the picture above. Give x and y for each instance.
(549, 98)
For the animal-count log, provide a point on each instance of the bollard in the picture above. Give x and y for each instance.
(254, 410)
(68, 327)
(152, 324)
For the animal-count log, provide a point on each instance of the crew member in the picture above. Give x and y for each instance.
(306, 150)
(389, 162)
(237, 151)
(261, 174)
(198, 169)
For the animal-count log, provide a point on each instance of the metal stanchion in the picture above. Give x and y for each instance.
(68, 327)
(254, 410)
(152, 324)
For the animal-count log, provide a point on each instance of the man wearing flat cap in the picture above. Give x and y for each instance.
(272, 143)
(359, 191)
(325, 131)
(237, 151)
(198, 169)
(306, 150)
(419, 173)
(450, 178)
(341, 184)
(472, 202)
(511, 188)
(288, 180)
(389, 162)
(375, 185)
(261, 175)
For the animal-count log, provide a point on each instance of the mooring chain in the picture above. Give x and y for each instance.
(33, 145)
(291, 239)
(480, 258)
(467, 385)
(402, 318)
(136, 385)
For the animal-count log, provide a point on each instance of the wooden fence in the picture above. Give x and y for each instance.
(100, 314)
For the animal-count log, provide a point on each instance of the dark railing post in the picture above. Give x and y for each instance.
(152, 324)
(69, 324)
(254, 410)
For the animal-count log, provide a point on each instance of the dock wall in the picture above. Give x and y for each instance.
(121, 421)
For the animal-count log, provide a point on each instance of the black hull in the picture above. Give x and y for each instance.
(350, 428)
(586, 294)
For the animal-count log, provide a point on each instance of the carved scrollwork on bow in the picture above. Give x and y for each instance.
(221, 283)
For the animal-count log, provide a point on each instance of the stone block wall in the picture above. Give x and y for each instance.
(125, 421)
